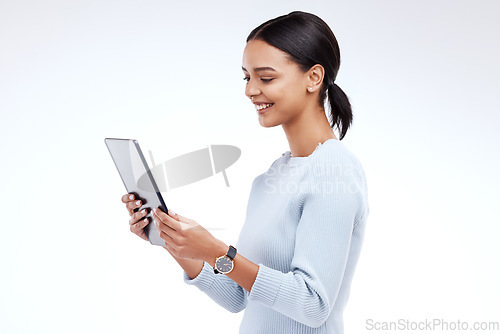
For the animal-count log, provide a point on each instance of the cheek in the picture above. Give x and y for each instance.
(291, 97)
(285, 93)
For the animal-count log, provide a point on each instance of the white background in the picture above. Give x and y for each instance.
(423, 80)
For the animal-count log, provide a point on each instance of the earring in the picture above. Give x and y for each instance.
(310, 89)
(251, 98)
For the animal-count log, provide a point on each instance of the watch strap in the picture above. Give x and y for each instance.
(231, 253)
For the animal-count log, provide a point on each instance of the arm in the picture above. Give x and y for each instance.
(192, 268)
(247, 270)
(308, 292)
(223, 289)
(220, 288)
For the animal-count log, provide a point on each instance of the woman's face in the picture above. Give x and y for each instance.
(277, 84)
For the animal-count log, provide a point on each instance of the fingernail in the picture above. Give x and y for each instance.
(154, 210)
(131, 197)
(138, 203)
(146, 220)
(172, 213)
(143, 211)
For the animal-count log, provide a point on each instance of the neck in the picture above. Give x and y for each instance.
(306, 131)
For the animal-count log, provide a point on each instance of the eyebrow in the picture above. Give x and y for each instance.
(260, 69)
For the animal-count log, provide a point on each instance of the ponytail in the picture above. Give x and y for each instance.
(340, 109)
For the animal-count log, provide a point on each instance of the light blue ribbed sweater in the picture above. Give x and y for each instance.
(304, 227)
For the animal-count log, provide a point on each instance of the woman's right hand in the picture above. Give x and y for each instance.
(136, 222)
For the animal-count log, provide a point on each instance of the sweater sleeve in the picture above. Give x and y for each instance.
(307, 293)
(220, 288)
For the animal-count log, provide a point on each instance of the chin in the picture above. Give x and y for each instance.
(267, 124)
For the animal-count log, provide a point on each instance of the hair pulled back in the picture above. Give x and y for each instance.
(308, 41)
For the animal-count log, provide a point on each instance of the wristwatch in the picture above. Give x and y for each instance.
(224, 264)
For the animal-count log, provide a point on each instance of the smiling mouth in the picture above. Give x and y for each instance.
(262, 107)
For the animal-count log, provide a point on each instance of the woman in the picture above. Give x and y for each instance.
(292, 266)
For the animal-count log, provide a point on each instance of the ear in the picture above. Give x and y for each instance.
(315, 77)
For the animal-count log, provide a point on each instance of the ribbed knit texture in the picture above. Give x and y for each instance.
(304, 227)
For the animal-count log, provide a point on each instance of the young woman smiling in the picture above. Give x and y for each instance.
(292, 266)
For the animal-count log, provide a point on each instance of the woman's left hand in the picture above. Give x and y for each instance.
(184, 237)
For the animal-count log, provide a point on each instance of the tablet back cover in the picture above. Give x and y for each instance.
(138, 179)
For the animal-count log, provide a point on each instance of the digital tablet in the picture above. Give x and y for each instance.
(138, 180)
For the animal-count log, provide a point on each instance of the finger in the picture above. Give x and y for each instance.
(184, 222)
(127, 198)
(171, 213)
(137, 227)
(137, 216)
(132, 206)
(161, 227)
(168, 239)
(166, 219)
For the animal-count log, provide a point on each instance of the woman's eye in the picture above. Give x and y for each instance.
(262, 79)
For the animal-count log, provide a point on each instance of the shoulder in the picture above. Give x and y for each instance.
(271, 170)
(335, 178)
(335, 161)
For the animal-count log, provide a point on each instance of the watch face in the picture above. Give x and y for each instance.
(224, 264)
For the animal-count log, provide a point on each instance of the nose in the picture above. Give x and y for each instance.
(251, 89)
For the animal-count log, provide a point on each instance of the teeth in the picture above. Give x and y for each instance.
(263, 106)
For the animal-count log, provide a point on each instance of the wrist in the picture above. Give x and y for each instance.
(219, 249)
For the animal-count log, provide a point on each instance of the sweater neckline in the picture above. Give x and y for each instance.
(292, 161)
